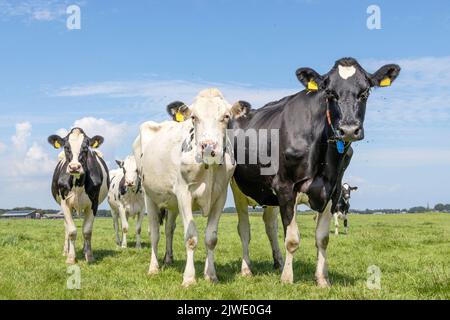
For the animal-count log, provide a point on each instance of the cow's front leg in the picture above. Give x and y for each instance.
(153, 228)
(139, 220)
(211, 237)
(115, 217)
(169, 230)
(88, 224)
(241, 203)
(322, 238)
(288, 209)
(336, 223)
(124, 223)
(190, 236)
(271, 222)
(66, 241)
(71, 233)
(345, 224)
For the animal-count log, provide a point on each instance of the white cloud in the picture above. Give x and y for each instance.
(36, 10)
(113, 133)
(2, 147)
(403, 157)
(157, 90)
(25, 158)
(23, 132)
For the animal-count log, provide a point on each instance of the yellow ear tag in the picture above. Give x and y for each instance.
(179, 117)
(386, 82)
(57, 145)
(95, 145)
(312, 86)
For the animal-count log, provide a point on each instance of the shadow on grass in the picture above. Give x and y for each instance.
(303, 271)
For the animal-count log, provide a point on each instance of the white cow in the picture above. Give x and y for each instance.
(126, 199)
(187, 166)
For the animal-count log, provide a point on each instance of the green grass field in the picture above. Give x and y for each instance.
(412, 251)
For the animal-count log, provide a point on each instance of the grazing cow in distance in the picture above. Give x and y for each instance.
(316, 128)
(342, 207)
(80, 183)
(126, 199)
(187, 166)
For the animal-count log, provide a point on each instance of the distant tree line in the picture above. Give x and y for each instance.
(440, 207)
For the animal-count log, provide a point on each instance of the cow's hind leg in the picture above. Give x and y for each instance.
(66, 241)
(190, 236)
(139, 220)
(169, 230)
(88, 224)
(241, 203)
(271, 222)
(71, 233)
(153, 219)
(322, 238)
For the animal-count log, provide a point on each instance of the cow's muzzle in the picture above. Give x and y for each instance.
(350, 133)
(74, 169)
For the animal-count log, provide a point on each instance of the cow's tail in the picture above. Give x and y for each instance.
(162, 216)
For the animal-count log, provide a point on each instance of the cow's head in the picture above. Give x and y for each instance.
(346, 88)
(76, 146)
(346, 190)
(209, 115)
(130, 172)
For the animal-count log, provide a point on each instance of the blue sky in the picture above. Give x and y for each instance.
(131, 58)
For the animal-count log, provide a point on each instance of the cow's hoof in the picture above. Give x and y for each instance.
(168, 260)
(189, 282)
(287, 279)
(278, 265)
(124, 246)
(246, 272)
(89, 257)
(323, 283)
(212, 279)
(71, 260)
(152, 271)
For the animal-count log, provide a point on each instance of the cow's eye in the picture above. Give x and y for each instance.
(226, 118)
(331, 94)
(194, 118)
(364, 95)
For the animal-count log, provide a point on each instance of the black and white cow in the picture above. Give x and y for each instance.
(342, 207)
(80, 183)
(315, 130)
(126, 199)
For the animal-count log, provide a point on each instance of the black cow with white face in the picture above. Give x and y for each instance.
(316, 128)
(342, 207)
(80, 183)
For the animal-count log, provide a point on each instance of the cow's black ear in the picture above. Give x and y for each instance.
(179, 111)
(56, 141)
(309, 78)
(385, 75)
(240, 109)
(353, 188)
(96, 142)
(120, 163)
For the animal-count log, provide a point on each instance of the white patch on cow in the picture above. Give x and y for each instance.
(346, 186)
(76, 139)
(346, 72)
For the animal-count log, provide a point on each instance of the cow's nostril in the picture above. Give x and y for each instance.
(357, 132)
(341, 132)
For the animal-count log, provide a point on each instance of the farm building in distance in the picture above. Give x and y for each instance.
(22, 214)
